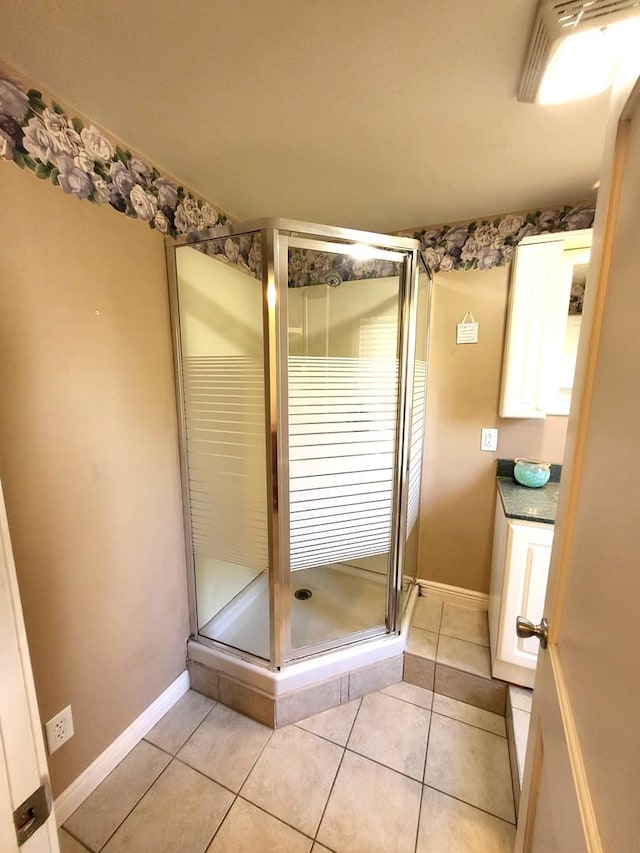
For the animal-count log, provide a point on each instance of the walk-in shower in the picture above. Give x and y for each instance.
(301, 368)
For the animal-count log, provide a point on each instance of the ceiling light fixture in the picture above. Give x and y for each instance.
(576, 47)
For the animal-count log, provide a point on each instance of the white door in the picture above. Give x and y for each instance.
(582, 775)
(23, 765)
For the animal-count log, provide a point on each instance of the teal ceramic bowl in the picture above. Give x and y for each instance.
(530, 473)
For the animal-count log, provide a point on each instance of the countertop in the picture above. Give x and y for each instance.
(528, 504)
(524, 503)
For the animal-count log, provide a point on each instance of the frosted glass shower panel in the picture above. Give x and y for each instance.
(417, 433)
(343, 407)
(221, 331)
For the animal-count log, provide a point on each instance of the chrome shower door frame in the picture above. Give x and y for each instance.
(276, 236)
(399, 250)
(406, 355)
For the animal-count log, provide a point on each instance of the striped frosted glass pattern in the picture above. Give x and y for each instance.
(342, 427)
(224, 430)
(417, 438)
(224, 402)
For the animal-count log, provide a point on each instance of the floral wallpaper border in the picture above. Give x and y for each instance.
(479, 244)
(487, 243)
(85, 163)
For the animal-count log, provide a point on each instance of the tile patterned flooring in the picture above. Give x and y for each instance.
(448, 651)
(401, 769)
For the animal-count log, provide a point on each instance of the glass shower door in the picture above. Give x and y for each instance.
(221, 340)
(344, 397)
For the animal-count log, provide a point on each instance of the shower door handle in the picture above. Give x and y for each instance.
(526, 629)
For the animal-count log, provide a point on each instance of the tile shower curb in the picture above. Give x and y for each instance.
(287, 708)
(304, 688)
(270, 702)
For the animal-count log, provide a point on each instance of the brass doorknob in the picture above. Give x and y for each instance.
(525, 629)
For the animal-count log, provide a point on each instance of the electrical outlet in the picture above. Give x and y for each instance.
(59, 729)
(489, 439)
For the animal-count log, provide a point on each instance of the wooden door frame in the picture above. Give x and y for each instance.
(23, 763)
(625, 103)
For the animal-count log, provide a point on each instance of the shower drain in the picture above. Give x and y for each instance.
(303, 594)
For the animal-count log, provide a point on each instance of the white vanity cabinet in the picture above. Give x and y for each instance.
(521, 555)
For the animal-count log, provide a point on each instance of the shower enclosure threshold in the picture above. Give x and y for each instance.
(277, 698)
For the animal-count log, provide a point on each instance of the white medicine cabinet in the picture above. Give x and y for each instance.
(543, 324)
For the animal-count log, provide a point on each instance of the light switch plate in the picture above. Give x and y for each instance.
(489, 439)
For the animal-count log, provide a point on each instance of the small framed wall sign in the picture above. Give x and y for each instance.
(467, 330)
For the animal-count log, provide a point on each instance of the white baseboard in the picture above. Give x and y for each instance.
(69, 800)
(456, 594)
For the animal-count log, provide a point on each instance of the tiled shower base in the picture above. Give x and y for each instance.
(447, 652)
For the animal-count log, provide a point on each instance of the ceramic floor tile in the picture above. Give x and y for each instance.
(247, 701)
(470, 764)
(203, 680)
(410, 693)
(293, 777)
(375, 676)
(302, 704)
(392, 732)
(371, 808)
(104, 810)
(469, 714)
(180, 722)
(465, 623)
(69, 844)
(248, 829)
(225, 746)
(419, 671)
(334, 724)
(422, 643)
(521, 722)
(472, 689)
(448, 825)
(465, 656)
(181, 811)
(428, 613)
(521, 697)
(318, 848)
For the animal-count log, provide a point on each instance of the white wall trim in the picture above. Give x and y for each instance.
(89, 779)
(455, 594)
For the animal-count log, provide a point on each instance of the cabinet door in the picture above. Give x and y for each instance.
(527, 562)
(538, 303)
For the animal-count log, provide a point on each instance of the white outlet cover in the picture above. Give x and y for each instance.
(489, 439)
(59, 729)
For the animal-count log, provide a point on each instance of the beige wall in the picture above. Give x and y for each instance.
(456, 520)
(88, 459)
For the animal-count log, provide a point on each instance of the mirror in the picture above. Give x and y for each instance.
(576, 263)
(543, 324)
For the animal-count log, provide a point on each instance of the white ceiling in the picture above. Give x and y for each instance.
(379, 114)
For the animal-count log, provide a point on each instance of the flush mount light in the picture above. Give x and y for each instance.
(576, 46)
